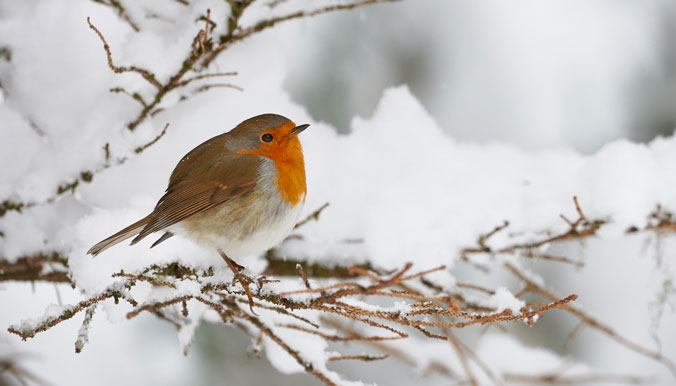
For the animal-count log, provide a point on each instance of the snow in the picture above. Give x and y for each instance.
(496, 349)
(186, 334)
(398, 306)
(51, 312)
(397, 182)
(504, 300)
(314, 351)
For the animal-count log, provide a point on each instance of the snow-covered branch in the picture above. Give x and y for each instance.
(411, 307)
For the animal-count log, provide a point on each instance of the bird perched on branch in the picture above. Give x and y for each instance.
(240, 192)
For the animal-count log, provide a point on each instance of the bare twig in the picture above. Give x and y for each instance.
(204, 76)
(365, 358)
(560, 259)
(314, 216)
(579, 229)
(208, 87)
(147, 145)
(302, 274)
(147, 75)
(135, 96)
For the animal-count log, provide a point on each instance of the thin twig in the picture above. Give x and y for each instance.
(208, 87)
(365, 358)
(135, 96)
(147, 145)
(314, 216)
(147, 75)
(560, 259)
(302, 274)
(204, 76)
(148, 279)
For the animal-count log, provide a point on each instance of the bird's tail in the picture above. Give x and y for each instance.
(130, 231)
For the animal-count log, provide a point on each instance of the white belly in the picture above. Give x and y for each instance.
(239, 235)
(263, 238)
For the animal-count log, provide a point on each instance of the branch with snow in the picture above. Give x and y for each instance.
(278, 308)
(580, 228)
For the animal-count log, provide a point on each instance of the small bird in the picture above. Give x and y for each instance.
(240, 192)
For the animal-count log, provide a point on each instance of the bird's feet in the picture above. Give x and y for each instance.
(243, 279)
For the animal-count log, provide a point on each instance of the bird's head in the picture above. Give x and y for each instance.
(269, 135)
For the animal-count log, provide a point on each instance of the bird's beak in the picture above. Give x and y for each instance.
(298, 129)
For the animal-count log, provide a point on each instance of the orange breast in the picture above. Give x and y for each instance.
(291, 180)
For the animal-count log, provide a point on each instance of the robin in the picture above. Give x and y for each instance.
(240, 192)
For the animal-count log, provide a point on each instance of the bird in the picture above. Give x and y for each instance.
(240, 192)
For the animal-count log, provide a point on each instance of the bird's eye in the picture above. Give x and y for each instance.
(267, 137)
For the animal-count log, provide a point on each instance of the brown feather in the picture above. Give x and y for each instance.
(207, 176)
(165, 236)
(131, 230)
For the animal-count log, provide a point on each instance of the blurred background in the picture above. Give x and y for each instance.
(573, 73)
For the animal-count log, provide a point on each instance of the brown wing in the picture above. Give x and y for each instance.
(207, 176)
